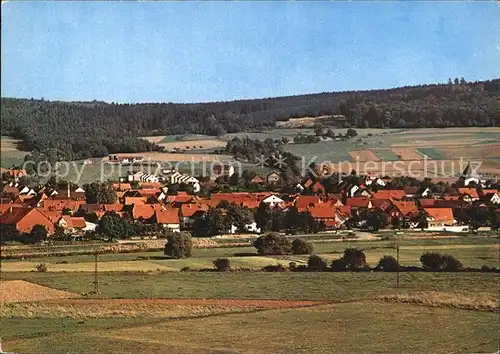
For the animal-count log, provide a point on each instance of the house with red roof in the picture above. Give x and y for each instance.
(468, 194)
(168, 218)
(439, 218)
(143, 211)
(359, 203)
(72, 223)
(305, 201)
(330, 216)
(25, 218)
(189, 212)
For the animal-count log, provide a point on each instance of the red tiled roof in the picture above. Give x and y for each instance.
(6, 207)
(74, 222)
(61, 204)
(52, 215)
(167, 216)
(135, 200)
(406, 208)
(322, 212)
(304, 201)
(359, 202)
(12, 217)
(188, 210)
(488, 191)
(440, 214)
(381, 203)
(470, 191)
(389, 194)
(145, 211)
(122, 186)
(426, 202)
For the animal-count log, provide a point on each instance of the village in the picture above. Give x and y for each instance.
(145, 205)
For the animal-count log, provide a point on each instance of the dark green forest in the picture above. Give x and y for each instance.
(95, 129)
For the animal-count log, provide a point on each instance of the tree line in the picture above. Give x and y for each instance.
(95, 129)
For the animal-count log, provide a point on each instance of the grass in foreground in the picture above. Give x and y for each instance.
(257, 285)
(340, 328)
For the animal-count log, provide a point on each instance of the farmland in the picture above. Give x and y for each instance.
(354, 302)
(436, 152)
(143, 295)
(10, 153)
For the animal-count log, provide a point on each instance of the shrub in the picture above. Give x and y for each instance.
(300, 246)
(316, 263)
(178, 245)
(273, 243)
(338, 264)
(451, 264)
(432, 261)
(354, 258)
(388, 264)
(274, 268)
(222, 264)
(485, 268)
(41, 267)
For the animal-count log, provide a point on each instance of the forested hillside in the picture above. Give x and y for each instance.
(85, 129)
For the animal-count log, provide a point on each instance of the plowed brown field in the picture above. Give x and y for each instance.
(20, 290)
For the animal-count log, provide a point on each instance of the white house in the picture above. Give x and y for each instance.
(149, 178)
(250, 227)
(272, 200)
(27, 191)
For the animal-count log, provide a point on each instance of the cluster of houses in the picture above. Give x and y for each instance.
(143, 198)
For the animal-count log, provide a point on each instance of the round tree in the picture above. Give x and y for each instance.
(354, 258)
(179, 245)
(316, 263)
(388, 264)
(273, 243)
(300, 246)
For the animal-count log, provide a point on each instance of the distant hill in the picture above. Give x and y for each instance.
(92, 129)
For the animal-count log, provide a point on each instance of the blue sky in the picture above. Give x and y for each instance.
(213, 51)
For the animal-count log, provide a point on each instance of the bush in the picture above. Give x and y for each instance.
(316, 263)
(178, 245)
(273, 243)
(41, 267)
(338, 264)
(485, 268)
(432, 261)
(436, 262)
(451, 264)
(274, 268)
(354, 258)
(300, 246)
(388, 264)
(222, 264)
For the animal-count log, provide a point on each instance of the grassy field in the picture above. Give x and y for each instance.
(366, 311)
(474, 252)
(341, 328)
